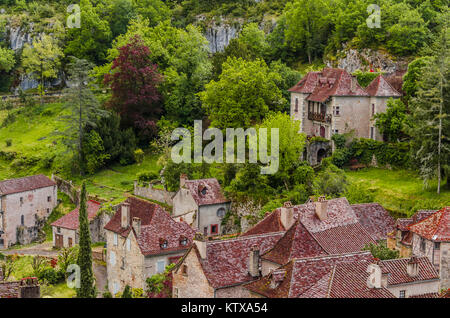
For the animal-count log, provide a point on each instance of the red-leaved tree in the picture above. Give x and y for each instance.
(134, 81)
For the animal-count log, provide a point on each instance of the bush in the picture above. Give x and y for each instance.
(107, 294)
(339, 141)
(52, 276)
(358, 193)
(8, 142)
(139, 156)
(147, 176)
(381, 251)
(395, 154)
(340, 157)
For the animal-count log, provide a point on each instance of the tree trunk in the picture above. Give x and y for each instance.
(440, 135)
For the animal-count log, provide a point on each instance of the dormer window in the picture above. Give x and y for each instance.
(183, 241)
(163, 243)
(203, 190)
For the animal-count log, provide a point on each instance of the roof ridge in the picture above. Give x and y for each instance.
(246, 237)
(330, 282)
(432, 215)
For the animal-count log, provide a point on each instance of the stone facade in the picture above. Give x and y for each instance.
(152, 193)
(23, 214)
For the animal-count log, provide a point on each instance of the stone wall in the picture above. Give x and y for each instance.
(152, 193)
(20, 289)
(445, 265)
(233, 292)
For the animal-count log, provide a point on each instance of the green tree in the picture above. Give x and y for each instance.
(7, 59)
(84, 261)
(430, 115)
(331, 181)
(94, 152)
(413, 76)
(92, 40)
(288, 78)
(127, 292)
(42, 59)
(154, 10)
(245, 92)
(83, 106)
(392, 122)
(120, 12)
(381, 251)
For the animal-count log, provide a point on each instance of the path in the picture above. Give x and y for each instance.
(43, 249)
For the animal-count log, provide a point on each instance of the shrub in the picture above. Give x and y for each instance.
(127, 292)
(147, 176)
(8, 142)
(381, 251)
(107, 294)
(340, 157)
(358, 193)
(339, 140)
(139, 156)
(52, 276)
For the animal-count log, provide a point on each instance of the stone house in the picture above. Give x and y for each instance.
(400, 238)
(65, 229)
(201, 204)
(348, 276)
(219, 268)
(332, 102)
(431, 238)
(25, 204)
(142, 239)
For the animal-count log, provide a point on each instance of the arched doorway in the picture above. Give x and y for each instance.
(320, 155)
(322, 131)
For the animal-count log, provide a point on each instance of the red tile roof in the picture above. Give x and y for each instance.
(398, 274)
(156, 225)
(213, 193)
(25, 184)
(380, 87)
(226, 261)
(375, 219)
(429, 295)
(332, 276)
(271, 223)
(435, 227)
(329, 82)
(70, 220)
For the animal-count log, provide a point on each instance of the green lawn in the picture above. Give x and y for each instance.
(401, 191)
(60, 290)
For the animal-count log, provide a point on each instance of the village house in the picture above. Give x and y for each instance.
(142, 239)
(348, 276)
(201, 204)
(219, 268)
(400, 238)
(332, 102)
(65, 229)
(25, 204)
(431, 238)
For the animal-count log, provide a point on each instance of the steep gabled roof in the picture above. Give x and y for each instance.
(375, 219)
(25, 184)
(380, 87)
(398, 274)
(271, 223)
(206, 191)
(307, 84)
(435, 227)
(70, 220)
(156, 226)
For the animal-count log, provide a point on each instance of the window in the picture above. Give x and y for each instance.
(437, 245)
(373, 109)
(123, 263)
(221, 212)
(296, 105)
(115, 239)
(183, 241)
(402, 294)
(372, 133)
(422, 245)
(214, 229)
(335, 131)
(58, 229)
(48, 211)
(128, 244)
(49, 199)
(112, 258)
(163, 243)
(160, 266)
(184, 270)
(205, 231)
(21, 200)
(22, 220)
(337, 110)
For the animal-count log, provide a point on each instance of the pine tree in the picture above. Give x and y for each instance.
(87, 287)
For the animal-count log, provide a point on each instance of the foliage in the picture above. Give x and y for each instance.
(339, 140)
(172, 172)
(331, 181)
(245, 92)
(38, 264)
(7, 59)
(84, 260)
(412, 77)
(160, 285)
(127, 292)
(51, 276)
(365, 78)
(7, 265)
(394, 154)
(381, 251)
(391, 123)
(139, 156)
(359, 193)
(67, 256)
(94, 152)
(147, 176)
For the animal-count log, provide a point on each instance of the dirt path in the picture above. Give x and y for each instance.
(44, 249)
(100, 276)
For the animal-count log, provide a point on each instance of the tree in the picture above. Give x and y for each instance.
(84, 261)
(94, 152)
(7, 266)
(7, 59)
(83, 106)
(429, 121)
(154, 10)
(134, 83)
(245, 92)
(42, 59)
(289, 78)
(392, 122)
(92, 40)
(331, 181)
(127, 292)
(413, 76)
(120, 12)
(381, 251)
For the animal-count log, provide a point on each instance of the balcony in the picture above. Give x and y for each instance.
(322, 117)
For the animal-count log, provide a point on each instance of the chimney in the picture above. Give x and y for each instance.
(125, 215)
(253, 261)
(384, 276)
(321, 208)
(287, 215)
(137, 225)
(200, 242)
(412, 268)
(183, 178)
(353, 83)
(375, 276)
(277, 278)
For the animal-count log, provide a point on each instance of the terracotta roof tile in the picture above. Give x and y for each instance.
(380, 87)
(271, 223)
(398, 274)
(429, 295)
(435, 227)
(212, 191)
(25, 184)
(375, 219)
(70, 220)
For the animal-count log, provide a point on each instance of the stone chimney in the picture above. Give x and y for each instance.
(375, 276)
(200, 242)
(183, 178)
(321, 207)
(253, 262)
(287, 215)
(137, 225)
(277, 277)
(412, 268)
(125, 215)
(384, 276)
